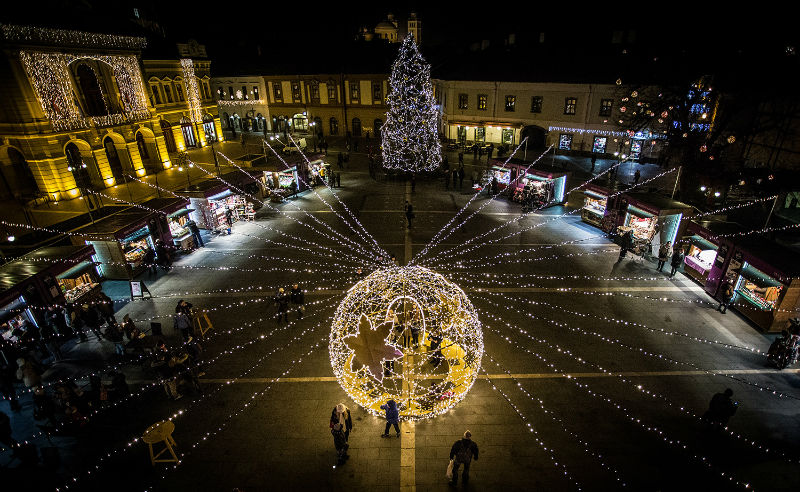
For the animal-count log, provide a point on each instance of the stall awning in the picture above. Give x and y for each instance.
(180, 213)
(595, 194)
(220, 196)
(77, 270)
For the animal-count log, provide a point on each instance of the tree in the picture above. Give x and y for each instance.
(409, 137)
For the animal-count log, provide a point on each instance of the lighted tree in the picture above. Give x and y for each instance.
(409, 137)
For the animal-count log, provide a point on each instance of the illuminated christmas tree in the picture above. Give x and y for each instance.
(409, 137)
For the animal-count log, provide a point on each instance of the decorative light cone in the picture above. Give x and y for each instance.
(372, 347)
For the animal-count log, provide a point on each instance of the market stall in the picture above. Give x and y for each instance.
(209, 200)
(80, 283)
(653, 219)
(181, 235)
(766, 280)
(707, 253)
(122, 240)
(595, 199)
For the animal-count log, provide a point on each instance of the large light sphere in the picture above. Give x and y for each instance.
(372, 347)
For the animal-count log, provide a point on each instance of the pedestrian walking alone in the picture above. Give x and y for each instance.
(720, 409)
(664, 252)
(413, 183)
(636, 176)
(461, 453)
(392, 417)
(341, 415)
(198, 239)
(338, 180)
(626, 245)
(298, 299)
(677, 261)
(461, 158)
(727, 297)
(340, 444)
(409, 213)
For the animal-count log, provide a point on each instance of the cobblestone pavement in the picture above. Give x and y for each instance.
(595, 370)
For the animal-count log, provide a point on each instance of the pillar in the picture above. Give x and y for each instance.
(101, 159)
(218, 127)
(177, 134)
(163, 155)
(136, 159)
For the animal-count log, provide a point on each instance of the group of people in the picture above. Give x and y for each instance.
(462, 452)
(674, 255)
(283, 299)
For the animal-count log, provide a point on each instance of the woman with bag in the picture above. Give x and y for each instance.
(341, 415)
(664, 252)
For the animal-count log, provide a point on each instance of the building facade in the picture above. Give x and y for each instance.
(316, 104)
(572, 117)
(241, 104)
(83, 111)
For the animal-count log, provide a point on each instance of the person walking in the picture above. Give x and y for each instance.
(626, 245)
(105, 306)
(727, 297)
(192, 225)
(720, 409)
(664, 252)
(461, 158)
(115, 334)
(677, 261)
(392, 417)
(282, 300)
(298, 299)
(409, 213)
(182, 323)
(325, 147)
(340, 444)
(340, 161)
(338, 180)
(229, 218)
(636, 176)
(91, 320)
(341, 415)
(489, 152)
(594, 162)
(149, 261)
(461, 453)
(293, 188)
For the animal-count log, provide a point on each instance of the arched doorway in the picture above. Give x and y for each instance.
(209, 129)
(169, 138)
(236, 121)
(226, 120)
(261, 123)
(356, 127)
(537, 136)
(376, 127)
(17, 178)
(300, 122)
(77, 166)
(334, 123)
(318, 125)
(189, 138)
(146, 143)
(114, 160)
(94, 104)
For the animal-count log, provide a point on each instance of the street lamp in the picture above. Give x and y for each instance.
(313, 134)
(182, 159)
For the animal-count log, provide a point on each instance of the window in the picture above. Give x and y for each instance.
(377, 93)
(536, 104)
(480, 134)
(356, 127)
(508, 136)
(463, 101)
(230, 92)
(206, 90)
(599, 145)
(220, 94)
(296, 92)
(179, 91)
(482, 102)
(570, 104)
(255, 93)
(605, 107)
(511, 103)
(334, 126)
(331, 93)
(156, 94)
(355, 91)
(168, 93)
(244, 92)
(315, 92)
(565, 141)
(276, 90)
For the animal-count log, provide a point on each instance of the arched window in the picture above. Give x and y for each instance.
(376, 128)
(142, 147)
(114, 161)
(187, 128)
(209, 129)
(334, 123)
(356, 127)
(169, 138)
(77, 166)
(18, 178)
(92, 93)
(226, 119)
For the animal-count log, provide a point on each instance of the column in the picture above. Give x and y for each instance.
(136, 159)
(163, 155)
(101, 159)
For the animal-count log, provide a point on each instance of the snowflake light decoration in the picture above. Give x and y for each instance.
(372, 347)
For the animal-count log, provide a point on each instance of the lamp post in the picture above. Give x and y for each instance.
(214, 153)
(312, 124)
(182, 159)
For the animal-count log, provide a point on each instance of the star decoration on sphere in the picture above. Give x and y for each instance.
(370, 346)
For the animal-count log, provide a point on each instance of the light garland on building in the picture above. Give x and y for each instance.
(373, 366)
(64, 37)
(50, 77)
(409, 137)
(581, 131)
(243, 102)
(192, 91)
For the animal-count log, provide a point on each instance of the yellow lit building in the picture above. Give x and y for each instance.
(80, 114)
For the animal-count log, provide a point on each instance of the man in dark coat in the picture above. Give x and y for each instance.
(298, 299)
(721, 409)
(627, 244)
(409, 213)
(727, 297)
(192, 225)
(677, 261)
(462, 452)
